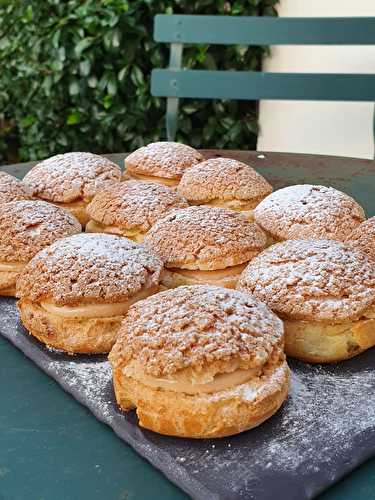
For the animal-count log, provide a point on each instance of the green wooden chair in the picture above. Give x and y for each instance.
(176, 82)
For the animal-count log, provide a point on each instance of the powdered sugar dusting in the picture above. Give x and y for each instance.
(71, 176)
(312, 279)
(98, 267)
(308, 211)
(325, 428)
(162, 159)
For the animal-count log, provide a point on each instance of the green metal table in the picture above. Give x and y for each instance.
(52, 448)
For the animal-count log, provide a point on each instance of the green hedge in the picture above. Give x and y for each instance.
(75, 75)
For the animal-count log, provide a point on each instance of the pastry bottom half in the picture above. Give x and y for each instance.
(132, 234)
(9, 273)
(73, 335)
(78, 209)
(212, 415)
(226, 278)
(319, 342)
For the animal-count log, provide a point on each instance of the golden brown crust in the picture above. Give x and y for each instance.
(205, 238)
(363, 237)
(89, 268)
(195, 328)
(133, 205)
(307, 211)
(318, 342)
(172, 278)
(71, 176)
(73, 335)
(223, 179)
(314, 280)
(8, 283)
(162, 159)
(12, 189)
(26, 227)
(204, 416)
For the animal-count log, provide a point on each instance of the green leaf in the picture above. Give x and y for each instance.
(83, 45)
(73, 118)
(136, 75)
(107, 101)
(84, 67)
(57, 66)
(74, 88)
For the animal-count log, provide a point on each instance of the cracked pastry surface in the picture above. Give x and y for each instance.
(197, 242)
(74, 294)
(322, 289)
(363, 237)
(307, 211)
(131, 208)
(224, 181)
(12, 189)
(200, 361)
(69, 177)
(166, 160)
(26, 227)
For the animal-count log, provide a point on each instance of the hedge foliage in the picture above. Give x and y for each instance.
(75, 75)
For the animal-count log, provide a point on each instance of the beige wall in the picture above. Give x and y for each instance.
(333, 128)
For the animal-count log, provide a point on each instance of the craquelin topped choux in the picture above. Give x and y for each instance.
(200, 362)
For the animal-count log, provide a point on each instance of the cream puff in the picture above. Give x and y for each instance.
(224, 182)
(161, 162)
(70, 180)
(26, 227)
(306, 211)
(12, 189)
(75, 293)
(204, 245)
(324, 290)
(200, 362)
(131, 208)
(363, 237)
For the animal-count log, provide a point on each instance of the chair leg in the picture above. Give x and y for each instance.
(172, 117)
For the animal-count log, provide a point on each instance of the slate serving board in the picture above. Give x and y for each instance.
(325, 429)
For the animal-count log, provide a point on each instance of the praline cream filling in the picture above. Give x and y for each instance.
(237, 205)
(218, 274)
(12, 267)
(220, 382)
(95, 310)
(96, 227)
(71, 205)
(158, 180)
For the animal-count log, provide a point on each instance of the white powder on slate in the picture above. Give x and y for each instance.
(326, 409)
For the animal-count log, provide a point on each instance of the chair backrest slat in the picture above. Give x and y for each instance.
(176, 82)
(251, 85)
(253, 30)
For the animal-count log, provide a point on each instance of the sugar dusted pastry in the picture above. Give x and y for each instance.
(363, 237)
(26, 227)
(307, 211)
(200, 362)
(204, 245)
(224, 182)
(70, 180)
(75, 293)
(324, 290)
(131, 208)
(161, 162)
(12, 189)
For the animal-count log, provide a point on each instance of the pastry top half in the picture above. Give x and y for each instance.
(70, 177)
(192, 333)
(223, 179)
(363, 237)
(162, 159)
(26, 227)
(205, 238)
(89, 268)
(308, 211)
(312, 280)
(133, 205)
(12, 189)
